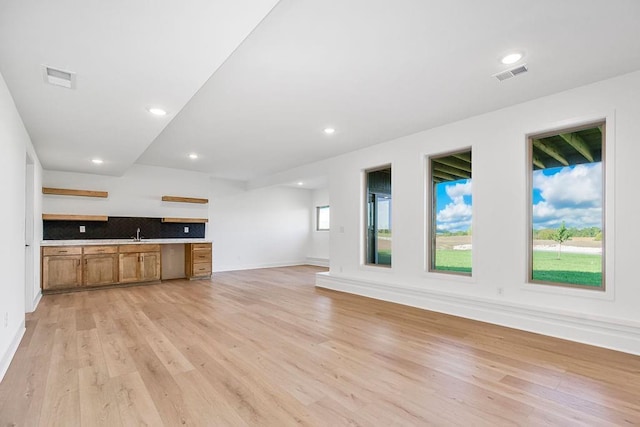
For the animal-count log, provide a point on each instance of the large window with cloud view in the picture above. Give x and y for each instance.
(450, 231)
(566, 207)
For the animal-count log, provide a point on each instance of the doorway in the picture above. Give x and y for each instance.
(29, 256)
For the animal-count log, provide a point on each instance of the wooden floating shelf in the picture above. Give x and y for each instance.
(64, 217)
(186, 220)
(69, 192)
(184, 199)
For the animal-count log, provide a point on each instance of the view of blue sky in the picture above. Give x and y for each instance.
(453, 205)
(572, 194)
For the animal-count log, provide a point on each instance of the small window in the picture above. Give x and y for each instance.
(378, 206)
(566, 189)
(450, 213)
(322, 218)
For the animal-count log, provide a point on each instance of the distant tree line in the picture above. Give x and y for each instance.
(440, 232)
(549, 233)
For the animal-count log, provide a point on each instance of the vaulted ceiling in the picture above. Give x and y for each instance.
(250, 85)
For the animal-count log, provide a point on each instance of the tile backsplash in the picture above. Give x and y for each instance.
(121, 228)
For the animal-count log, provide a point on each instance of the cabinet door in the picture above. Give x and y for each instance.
(150, 266)
(100, 269)
(129, 267)
(61, 272)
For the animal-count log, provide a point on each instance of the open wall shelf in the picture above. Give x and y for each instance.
(186, 220)
(65, 217)
(69, 192)
(184, 199)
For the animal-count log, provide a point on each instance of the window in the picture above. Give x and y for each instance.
(450, 210)
(566, 188)
(322, 218)
(378, 232)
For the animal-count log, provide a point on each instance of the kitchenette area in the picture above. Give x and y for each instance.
(88, 251)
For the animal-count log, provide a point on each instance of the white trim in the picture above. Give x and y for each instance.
(617, 334)
(319, 262)
(218, 269)
(11, 351)
(36, 301)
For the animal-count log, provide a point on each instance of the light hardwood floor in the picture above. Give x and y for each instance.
(264, 347)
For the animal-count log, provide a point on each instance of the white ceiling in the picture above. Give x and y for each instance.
(374, 70)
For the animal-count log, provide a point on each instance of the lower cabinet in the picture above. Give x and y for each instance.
(75, 267)
(61, 268)
(197, 260)
(100, 265)
(139, 263)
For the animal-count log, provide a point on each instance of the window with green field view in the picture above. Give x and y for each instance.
(450, 213)
(566, 188)
(378, 206)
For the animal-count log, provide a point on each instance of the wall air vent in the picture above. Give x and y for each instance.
(59, 77)
(504, 75)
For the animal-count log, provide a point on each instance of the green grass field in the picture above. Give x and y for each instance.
(451, 260)
(578, 269)
(384, 257)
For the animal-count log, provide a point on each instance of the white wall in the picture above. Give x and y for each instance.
(137, 193)
(15, 144)
(318, 240)
(266, 227)
(610, 319)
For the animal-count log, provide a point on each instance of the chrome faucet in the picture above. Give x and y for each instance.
(137, 238)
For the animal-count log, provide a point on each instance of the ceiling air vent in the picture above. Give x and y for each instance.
(504, 75)
(58, 77)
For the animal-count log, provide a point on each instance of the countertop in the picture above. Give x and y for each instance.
(120, 242)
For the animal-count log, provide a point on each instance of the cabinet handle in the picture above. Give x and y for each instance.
(63, 252)
(78, 263)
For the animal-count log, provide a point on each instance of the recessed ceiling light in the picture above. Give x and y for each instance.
(193, 156)
(511, 58)
(97, 161)
(157, 111)
(329, 131)
(300, 183)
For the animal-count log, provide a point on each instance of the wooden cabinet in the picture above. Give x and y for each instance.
(77, 267)
(61, 267)
(100, 265)
(197, 260)
(139, 263)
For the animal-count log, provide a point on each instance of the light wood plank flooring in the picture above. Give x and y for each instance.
(264, 347)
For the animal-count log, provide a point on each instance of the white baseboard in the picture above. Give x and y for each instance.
(36, 301)
(319, 262)
(222, 268)
(7, 357)
(615, 334)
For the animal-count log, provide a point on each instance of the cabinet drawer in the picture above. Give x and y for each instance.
(201, 269)
(201, 256)
(139, 248)
(93, 250)
(197, 246)
(61, 250)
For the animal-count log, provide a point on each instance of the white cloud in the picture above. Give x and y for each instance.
(458, 191)
(457, 214)
(573, 195)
